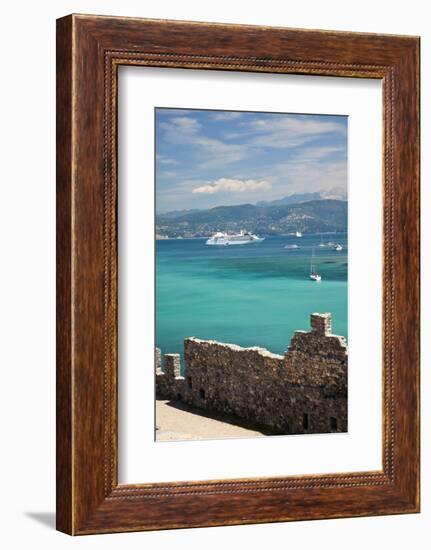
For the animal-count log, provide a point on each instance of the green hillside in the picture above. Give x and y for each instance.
(316, 216)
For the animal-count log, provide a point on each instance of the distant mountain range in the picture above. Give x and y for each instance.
(312, 216)
(335, 193)
(177, 213)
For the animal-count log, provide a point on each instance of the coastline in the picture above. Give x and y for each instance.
(162, 238)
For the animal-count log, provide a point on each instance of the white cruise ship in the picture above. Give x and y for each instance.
(224, 239)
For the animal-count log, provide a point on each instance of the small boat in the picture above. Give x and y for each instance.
(338, 247)
(298, 234)
(291, 246)
(314, 275)
(322, 244)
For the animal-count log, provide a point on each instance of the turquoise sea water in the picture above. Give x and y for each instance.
(251, 295)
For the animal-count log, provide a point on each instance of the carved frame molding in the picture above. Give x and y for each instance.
(89, 51)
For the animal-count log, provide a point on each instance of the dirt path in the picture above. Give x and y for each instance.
(176, 422)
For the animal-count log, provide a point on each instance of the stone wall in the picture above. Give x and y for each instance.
(304, 391)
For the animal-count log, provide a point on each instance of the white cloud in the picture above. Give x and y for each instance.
(213, 152)
(304, 175)
(226, 115)
(288, 131)
(309, 169)
(186, 122)
(317, 154)
(179, 129)
(167, 174)
(232, 186)
(165, 160)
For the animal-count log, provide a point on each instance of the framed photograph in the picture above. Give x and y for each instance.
(237, 274)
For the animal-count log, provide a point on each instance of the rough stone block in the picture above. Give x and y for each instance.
(321, 323)
(158, 360)
(172, 364)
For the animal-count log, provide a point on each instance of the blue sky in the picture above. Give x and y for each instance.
(212, 158)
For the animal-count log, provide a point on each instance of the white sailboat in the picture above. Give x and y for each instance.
(322, 244)
(314, 275)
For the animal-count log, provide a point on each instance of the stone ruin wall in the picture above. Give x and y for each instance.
(304, 391)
